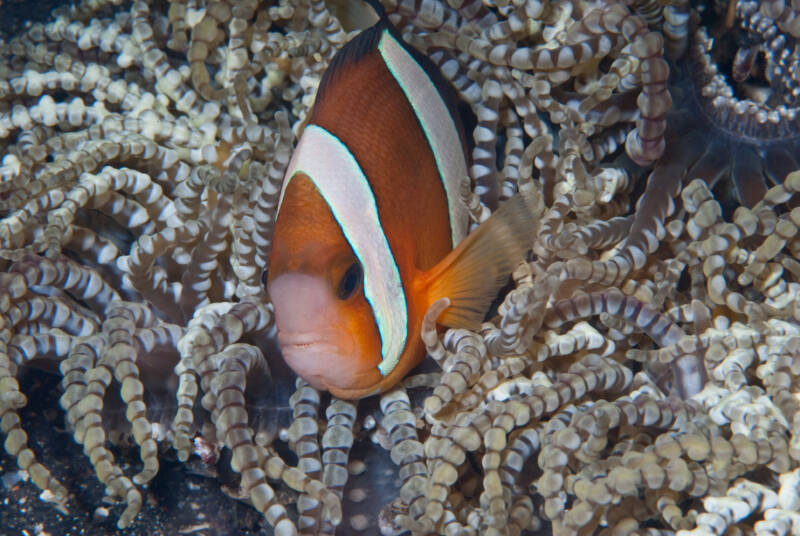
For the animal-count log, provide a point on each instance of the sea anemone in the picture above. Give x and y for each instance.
(639, 377)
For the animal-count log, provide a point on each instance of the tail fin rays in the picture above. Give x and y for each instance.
(473, 273)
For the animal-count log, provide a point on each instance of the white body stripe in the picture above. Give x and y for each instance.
(438, 125)
(340, 181)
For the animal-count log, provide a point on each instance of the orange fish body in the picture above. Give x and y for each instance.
(369, 212)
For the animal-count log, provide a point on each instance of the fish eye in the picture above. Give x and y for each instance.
(349, 282)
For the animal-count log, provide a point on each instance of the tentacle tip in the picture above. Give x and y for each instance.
(333, 509)
(643, 152)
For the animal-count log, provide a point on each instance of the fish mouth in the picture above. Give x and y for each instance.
(293, 342)
(323, 359)
(317, 347)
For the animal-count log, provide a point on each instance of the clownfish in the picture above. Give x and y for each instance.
(371, 228)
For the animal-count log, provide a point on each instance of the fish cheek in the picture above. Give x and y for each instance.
(359, 322)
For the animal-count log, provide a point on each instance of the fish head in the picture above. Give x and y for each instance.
(326, 329)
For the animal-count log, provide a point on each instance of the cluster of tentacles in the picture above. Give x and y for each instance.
(738, 83)
(640, 378)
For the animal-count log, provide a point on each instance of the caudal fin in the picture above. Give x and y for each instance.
(472, 274)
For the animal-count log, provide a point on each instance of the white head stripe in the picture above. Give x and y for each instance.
(437, 123)
(340, 181)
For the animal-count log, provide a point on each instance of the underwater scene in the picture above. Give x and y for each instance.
(425, 267)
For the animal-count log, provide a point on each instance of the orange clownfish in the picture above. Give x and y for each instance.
(368, 217)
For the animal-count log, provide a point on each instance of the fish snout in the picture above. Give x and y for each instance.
(312, 340)
(302, 302)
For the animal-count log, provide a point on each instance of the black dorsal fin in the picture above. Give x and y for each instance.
(367, 41)
(378, 7)
(351, 53)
